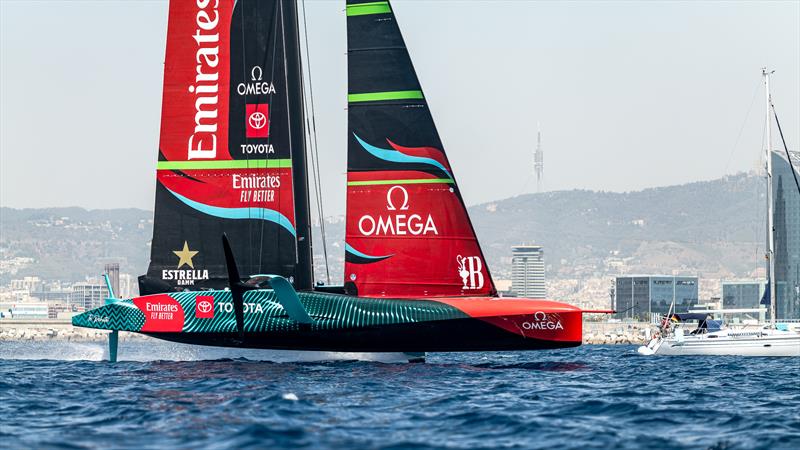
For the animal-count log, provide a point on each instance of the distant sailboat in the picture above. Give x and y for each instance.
(709, 338)
(232, 161)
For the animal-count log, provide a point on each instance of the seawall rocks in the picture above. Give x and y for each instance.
(601, 333)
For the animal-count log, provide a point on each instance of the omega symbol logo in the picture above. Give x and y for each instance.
(257, 120)
(256, 70)
(390, 204)
(397, 223)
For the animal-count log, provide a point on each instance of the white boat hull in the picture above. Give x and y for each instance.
(774, 343)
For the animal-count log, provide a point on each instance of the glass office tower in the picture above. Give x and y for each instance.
(786, 212)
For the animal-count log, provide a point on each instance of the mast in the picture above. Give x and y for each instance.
(773, 291)
(304, 279)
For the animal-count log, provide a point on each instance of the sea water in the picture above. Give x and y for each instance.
(60, 395)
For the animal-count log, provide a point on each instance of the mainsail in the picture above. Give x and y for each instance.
(408, 233)
(231, 153)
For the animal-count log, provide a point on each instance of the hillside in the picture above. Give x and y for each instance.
(712, 228)
(71, 243)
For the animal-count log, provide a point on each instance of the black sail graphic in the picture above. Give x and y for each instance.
(231, 154)
(408, 233)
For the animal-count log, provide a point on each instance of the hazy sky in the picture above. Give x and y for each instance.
(629, 94)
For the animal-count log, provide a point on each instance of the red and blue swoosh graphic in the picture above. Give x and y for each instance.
(270, 215)
(408, 155)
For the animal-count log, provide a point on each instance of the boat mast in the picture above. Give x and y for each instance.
(773, 291)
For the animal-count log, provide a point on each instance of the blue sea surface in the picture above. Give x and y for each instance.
(598, 397)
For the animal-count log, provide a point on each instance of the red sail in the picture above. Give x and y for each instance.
(194, 118)
(408, 233)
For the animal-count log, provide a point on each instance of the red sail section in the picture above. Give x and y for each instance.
(194, 117)
(243, 189)
(408, 235)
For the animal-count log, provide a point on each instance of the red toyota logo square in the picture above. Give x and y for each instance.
(257, 120)
(204, 307)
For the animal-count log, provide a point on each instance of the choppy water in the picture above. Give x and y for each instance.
(589, 397)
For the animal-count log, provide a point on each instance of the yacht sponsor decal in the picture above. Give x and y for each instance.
(195, 103)
(247, 307)
(256, 85)
(256, 114)
(397, 222)
(204, 307)
(257, 124)
(256, 190)
(185, 274)
(470, 270)
(244, 212)
(203, 142)
(258, 149)
(162, 313)
(421, 226)
(256, 187)
(563, 325)
(541, 321)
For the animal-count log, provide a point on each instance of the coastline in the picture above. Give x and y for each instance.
(61, 330)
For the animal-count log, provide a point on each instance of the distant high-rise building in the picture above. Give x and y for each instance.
(786, 217)
(128, 286)
(538, 160)
(527, 271)
(640, 296)
(28, 284)
(112, 270)
(742, 294)
(89, 295)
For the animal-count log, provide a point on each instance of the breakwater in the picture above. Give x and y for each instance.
(55, 330)
(603, 333)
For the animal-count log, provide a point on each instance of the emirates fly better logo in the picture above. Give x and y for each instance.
(204, 307)
(257, 120)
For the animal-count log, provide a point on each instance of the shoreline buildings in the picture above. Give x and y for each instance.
(641, 297)
(527, 271)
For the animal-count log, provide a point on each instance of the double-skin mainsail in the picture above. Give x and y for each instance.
(232, 152)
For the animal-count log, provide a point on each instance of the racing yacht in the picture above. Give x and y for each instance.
(231, 256)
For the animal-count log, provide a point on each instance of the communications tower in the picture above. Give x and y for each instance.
(538, 160)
